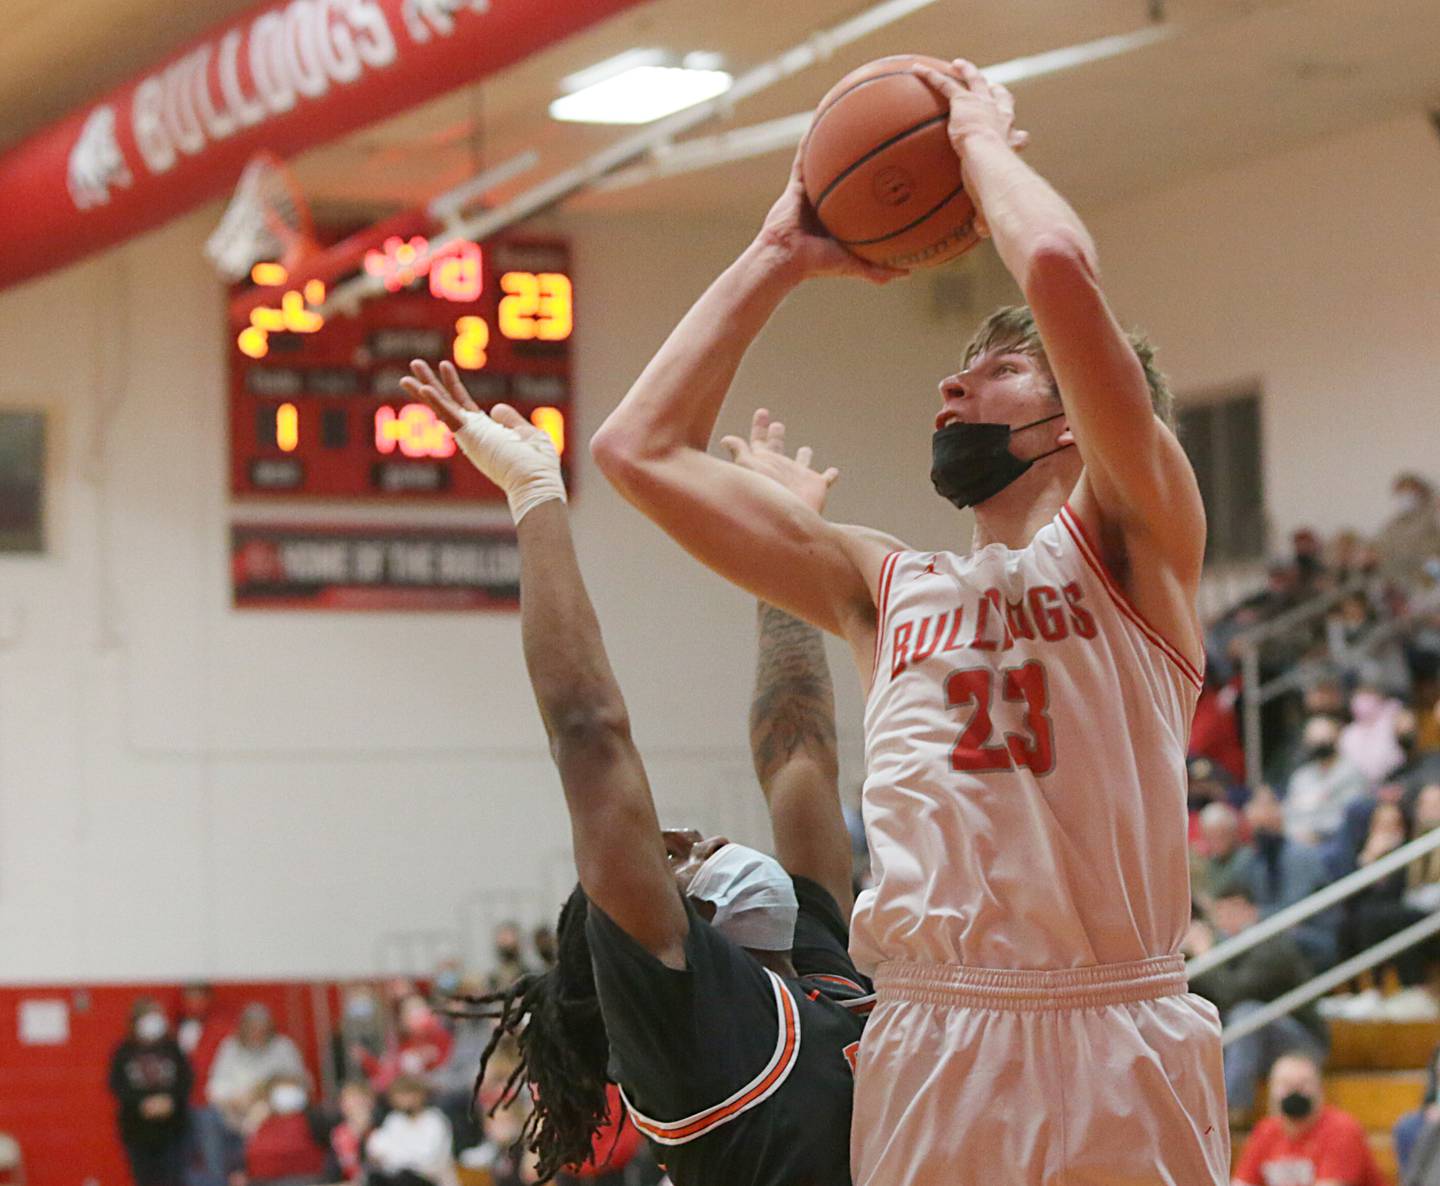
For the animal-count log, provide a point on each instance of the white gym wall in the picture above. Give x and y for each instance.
(187, 790)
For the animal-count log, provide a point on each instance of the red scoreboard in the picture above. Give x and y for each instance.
(316, 407)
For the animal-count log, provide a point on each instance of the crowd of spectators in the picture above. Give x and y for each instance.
(214, 1098)
(1347, 633)
(1350, 772)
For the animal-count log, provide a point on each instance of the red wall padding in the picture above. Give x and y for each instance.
(54, 1099)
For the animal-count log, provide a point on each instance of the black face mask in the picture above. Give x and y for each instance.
(1324, 752)
(1267, 843)
(1297, 1105)
(970, 463)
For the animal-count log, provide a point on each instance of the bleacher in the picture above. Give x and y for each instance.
(1376, 1072)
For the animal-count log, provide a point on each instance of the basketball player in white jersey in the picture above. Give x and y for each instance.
(1028, 707)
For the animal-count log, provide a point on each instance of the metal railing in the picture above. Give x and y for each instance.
(1288, 917)
(1256, 693)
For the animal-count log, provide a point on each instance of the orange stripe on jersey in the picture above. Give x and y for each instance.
(882, 598)
(759, 1089)
(1093, 558)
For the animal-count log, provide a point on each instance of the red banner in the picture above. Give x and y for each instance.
(288, 77)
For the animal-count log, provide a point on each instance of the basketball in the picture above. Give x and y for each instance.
(880, 172)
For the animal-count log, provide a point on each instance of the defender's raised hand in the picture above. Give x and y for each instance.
(504, 446)
(764, 453)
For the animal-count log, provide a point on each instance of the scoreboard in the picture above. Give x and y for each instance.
(316, 407)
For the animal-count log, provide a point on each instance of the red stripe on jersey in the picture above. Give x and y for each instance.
(759, 1089)
(882, 598)
(1092, 557)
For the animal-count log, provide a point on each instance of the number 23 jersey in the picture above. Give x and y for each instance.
(1025, 737)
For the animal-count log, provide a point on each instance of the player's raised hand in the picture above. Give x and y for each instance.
(793, 230)
(764, 453)
(503, 445)
(448, 399)
(977, 106)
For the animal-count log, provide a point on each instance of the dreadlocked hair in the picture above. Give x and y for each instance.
(554, 1019)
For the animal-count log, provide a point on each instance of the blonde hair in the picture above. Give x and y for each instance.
(1013, 328)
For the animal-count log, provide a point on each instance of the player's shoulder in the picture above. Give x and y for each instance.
(868, 547)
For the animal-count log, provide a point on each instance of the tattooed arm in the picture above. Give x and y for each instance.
(792, 718)
(792, 742)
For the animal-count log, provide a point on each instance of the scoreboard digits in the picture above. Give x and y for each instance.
(316, 405)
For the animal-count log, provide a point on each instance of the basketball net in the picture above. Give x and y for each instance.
(267, 219)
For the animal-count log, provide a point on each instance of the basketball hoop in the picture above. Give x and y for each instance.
(267, 219)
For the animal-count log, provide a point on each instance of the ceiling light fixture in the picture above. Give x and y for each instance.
(639, 87)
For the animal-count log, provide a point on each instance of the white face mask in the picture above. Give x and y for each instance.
(754, 898)
(1408, 501)
(151, 1027)
(287, 1098)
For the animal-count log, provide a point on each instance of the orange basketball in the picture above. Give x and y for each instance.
(880, 172)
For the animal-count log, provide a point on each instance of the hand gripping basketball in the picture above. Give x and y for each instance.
(504, 446)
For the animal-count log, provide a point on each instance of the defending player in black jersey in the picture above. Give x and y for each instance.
(709, 980)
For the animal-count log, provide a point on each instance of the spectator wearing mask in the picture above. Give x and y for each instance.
(1283, 872)
(421, 1045)
(1408, 1129)
(203, 1026)
(1304, 1140)
(1363, 653)
(448, 976)
(412, 1146)
(244, 1063)
(543, 940)
(509, 963)
(1318, 791)
(1324, 696)
(284, 1143)
(362, 1027)
(357, 1118)
(1412, 534)
(1370, 742)
(150, 1079)
(1244, 985)
(1309, 561)
(1222, 855)
(1381, 910)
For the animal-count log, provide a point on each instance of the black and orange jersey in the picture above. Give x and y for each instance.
(738, 1077)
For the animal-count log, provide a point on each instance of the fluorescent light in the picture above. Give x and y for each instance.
(640, 95)
(610, 67)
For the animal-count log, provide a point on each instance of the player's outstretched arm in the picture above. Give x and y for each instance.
(792, 715)
(619, 853)
(792, 743)
(653, 446)
(1135, 469)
